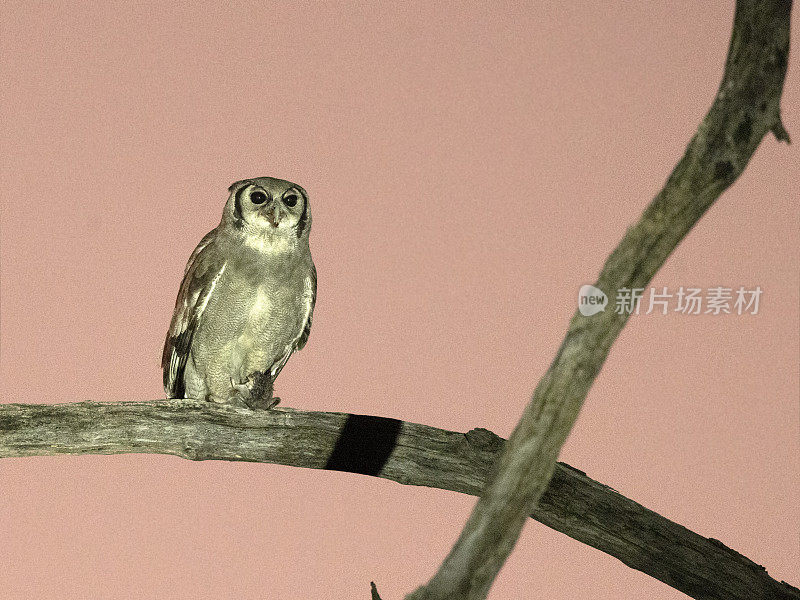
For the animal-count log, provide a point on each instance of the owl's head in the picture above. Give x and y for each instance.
(271, 209)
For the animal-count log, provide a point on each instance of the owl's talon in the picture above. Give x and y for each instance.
(242, 395)
(264, 404)
(239, 396)
(237, 401)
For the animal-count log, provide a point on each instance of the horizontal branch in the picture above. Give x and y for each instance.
(407, 453)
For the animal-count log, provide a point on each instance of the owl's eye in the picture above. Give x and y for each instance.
(258, 197)
(290, 200)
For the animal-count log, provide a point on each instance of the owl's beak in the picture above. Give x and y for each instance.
(273, 213)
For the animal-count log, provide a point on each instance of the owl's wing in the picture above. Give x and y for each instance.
(301, 341)
(199, 280)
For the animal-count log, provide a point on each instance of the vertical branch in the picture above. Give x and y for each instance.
(745, 109)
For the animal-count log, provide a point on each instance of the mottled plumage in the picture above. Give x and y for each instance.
(247, 298)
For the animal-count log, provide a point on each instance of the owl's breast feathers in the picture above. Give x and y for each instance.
(233, 300)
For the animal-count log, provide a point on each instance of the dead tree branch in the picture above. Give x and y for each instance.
(407, 453)
(526, 479)
(746, 107)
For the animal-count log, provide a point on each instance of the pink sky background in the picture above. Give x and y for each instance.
(469, 168)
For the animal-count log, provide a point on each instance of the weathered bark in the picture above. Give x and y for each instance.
(408, 453)
(745, 109)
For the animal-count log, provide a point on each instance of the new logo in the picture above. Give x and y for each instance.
(591, 300)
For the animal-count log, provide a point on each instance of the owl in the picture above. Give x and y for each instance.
(246, 300)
